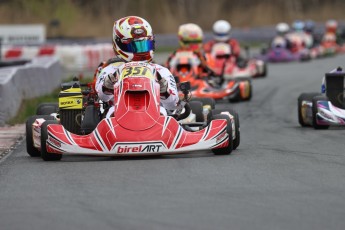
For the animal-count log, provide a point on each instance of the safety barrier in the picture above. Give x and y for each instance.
(38, 77)
(72, 57)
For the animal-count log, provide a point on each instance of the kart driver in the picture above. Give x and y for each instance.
(221, 33)
(190, 38)
(280, 40)
(134, 44)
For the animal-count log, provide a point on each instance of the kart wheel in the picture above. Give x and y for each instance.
(30, 149)
(264, 73)
(47, 108)
(197, 108)
(47, 156)
(250, 89)
(236, 141)
(228, 149)
(301, 98)
(71, 120)
(205, 101)
(314, 110)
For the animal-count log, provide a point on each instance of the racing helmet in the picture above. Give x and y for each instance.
(133, 39)
(190, 36)
(331, 26)
(221, 30)
(282, 28)
(309, 26)
(298, 25)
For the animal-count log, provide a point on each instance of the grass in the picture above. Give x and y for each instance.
(28, 107)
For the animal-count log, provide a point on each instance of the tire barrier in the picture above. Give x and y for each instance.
(72, 57)
(38, 77)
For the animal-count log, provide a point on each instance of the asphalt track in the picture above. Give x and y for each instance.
(281, 177)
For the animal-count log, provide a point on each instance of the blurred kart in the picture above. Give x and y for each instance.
(79, 128)
(185, 65)
(226, 65)
(320, 110)
(329, 47)
(278, 51)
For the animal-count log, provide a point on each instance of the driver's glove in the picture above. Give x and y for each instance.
(108, 84)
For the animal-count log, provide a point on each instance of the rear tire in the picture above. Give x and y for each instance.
(197, 108)
(205, 101)
(225, 150)
(30, 148)
(314, 110)
(47, 108)
(47, 156)
(301, 98)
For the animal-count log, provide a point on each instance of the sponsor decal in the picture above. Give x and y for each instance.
(138, 31)
(149, 147)
(67, 102)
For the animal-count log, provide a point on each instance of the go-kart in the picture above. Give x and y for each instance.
(279, 51)
(225, 64)
(185, 65)
(320, 110)
(280, 54)
(137, 128)
(329, 47)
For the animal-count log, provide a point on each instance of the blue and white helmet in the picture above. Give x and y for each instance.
(221, 30)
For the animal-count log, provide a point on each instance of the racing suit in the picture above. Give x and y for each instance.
(108, 75)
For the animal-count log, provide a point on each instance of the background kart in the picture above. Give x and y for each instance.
(280, 54)
(322, 110)
(185, 66)
(221, 60)
(151, 134)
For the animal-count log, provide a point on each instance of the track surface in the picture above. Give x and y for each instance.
(281, 177)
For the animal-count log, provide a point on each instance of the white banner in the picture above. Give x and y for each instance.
(33, 34)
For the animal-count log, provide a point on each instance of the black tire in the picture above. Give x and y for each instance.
(226, 150)
(47, 156)
(237, 98)
(197, 108)
(301, 98)
(205, 101)
(70, 119)
(237, 140)
(264, 73)
(47, 108)
(314, 110)
(250, 91)
(30, 149)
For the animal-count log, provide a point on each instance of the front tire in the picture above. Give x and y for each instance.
(30, 148)
(301, 98)
(47, 156)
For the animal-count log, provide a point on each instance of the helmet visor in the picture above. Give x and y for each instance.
(136, 46)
